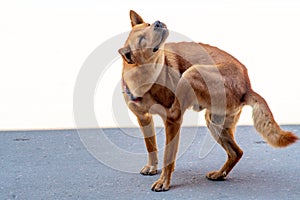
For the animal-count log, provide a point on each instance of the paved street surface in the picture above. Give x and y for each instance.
(57, 165)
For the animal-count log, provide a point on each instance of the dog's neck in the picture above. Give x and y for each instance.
(140, 79)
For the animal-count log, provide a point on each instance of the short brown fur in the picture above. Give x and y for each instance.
(167, 79)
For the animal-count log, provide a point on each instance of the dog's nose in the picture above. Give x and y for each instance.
(159, 24)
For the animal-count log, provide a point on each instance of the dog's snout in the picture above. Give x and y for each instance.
(159, 24)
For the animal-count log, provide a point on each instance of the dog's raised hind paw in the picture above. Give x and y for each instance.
(216, 176)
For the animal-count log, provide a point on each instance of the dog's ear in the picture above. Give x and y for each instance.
(125, 52)
(135, 18)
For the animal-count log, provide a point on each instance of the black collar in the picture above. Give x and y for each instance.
(128, 93)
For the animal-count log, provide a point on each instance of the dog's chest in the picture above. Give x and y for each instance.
(162, 95)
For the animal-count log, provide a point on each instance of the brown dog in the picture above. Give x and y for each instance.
(166, 79)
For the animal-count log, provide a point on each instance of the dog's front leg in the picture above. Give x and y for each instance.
(147, 127)
(172, 140)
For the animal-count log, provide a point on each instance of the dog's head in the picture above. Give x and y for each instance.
(144, 41)
(143, 55)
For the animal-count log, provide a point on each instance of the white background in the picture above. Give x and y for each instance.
(43, 45)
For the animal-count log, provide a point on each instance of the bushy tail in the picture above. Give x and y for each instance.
(265, 124)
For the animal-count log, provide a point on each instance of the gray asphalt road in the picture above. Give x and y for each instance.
(56, 165)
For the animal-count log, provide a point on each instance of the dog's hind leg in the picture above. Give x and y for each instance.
(223, 133)
(147, 127)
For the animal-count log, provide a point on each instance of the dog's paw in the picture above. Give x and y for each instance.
(149, 170)
(216, 176)
(160, 185)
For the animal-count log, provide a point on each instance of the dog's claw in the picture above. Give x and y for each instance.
(216, 176)
(148, 170)
(160, 186)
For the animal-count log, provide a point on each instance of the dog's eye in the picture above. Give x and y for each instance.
(141, 40)
(148, 24)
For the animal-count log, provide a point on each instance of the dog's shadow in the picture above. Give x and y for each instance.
(189, 179)
(195, 179)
